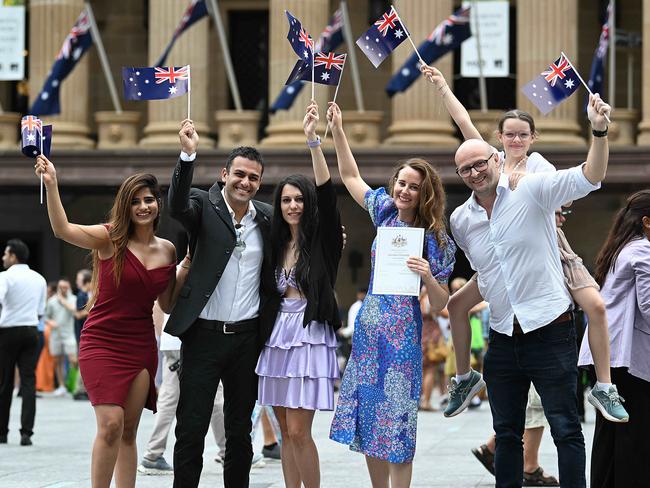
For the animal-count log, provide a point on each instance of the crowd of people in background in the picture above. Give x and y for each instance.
(255, 339)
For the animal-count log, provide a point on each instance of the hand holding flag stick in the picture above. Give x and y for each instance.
(583, 82)
(336, 92)
(554, 85)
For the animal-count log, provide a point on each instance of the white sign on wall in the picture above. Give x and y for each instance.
(12, 43)
(494, 30)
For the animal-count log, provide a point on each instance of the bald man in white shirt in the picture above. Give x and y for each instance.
(509, 238)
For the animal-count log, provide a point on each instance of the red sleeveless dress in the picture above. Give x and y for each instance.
(118, 339)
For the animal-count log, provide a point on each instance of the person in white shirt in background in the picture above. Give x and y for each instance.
(348, 330)
(22, 298)
(59, 315)
(153, 461)
(510, 239)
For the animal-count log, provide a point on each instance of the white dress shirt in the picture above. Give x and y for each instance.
(22, 296)
(515, 251)
(237, 295)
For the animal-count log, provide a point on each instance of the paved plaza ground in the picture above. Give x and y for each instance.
(60, 456)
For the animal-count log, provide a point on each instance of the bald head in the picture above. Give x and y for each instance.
(477, 163)
(473, 149)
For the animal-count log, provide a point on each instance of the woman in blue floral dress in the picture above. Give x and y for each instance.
(376, 413)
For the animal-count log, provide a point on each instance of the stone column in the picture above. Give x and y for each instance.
(49, 24)
(544, 29)
(285, 126)
(190, 48)
(419, 116)
(644, 127)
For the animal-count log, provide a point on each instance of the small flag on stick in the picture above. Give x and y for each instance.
(447, 36)
(155, 83)
(383, 37)
(327, 69)
(36, 139)
(329, 40)
(554, 85)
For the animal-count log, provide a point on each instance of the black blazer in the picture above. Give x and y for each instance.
(325, 253)
(212, 236)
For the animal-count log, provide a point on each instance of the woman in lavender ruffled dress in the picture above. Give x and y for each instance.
(298, 365)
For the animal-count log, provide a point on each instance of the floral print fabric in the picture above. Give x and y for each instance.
(376, 413)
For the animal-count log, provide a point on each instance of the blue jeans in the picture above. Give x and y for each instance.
(547, 357)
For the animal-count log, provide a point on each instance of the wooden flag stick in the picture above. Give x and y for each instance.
(409, 37)
(336, 92)
(581, 80)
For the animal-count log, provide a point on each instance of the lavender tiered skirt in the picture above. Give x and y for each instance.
(298, 365)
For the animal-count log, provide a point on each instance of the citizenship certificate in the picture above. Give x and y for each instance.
(394, 246)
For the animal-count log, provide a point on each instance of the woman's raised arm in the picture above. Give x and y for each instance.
(348, 168)
(85, 236)
(453, 105)
(309, 123)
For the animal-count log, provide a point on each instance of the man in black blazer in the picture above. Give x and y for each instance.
(223, 316)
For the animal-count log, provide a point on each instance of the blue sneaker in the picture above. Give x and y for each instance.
(609, 404)
(158, 466)
(461, 394)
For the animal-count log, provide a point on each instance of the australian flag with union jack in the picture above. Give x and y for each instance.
(74, 46)
(195, 11)
(328, 68)
(447, 36)
(383, 37)
(329, 40)
(155, 83)
(552, 86)
(299, 38)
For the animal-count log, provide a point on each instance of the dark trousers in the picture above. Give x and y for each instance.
(619, 455)
(18, 347)
(207, 357)
(548, 358)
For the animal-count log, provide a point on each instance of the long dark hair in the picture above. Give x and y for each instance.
(281, 234)
(121, 226)
(626, 227)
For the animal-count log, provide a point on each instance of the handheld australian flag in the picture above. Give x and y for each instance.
(447, 36)
(155, 83)
(553, 86)
(31, 131)
(300, 40)
(329, 40)
(328, 68)
(195, 11)
(74, 46)
(597, 73)
(383, 37)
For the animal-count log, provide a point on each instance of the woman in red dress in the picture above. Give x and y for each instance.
(117, 350)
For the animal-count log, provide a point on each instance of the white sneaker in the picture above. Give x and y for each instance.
(258, 461)
(60, 391)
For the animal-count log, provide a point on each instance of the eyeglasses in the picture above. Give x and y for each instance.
(240, 244)
(479, 166)
(523, 136)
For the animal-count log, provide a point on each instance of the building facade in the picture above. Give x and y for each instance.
(95, 148)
